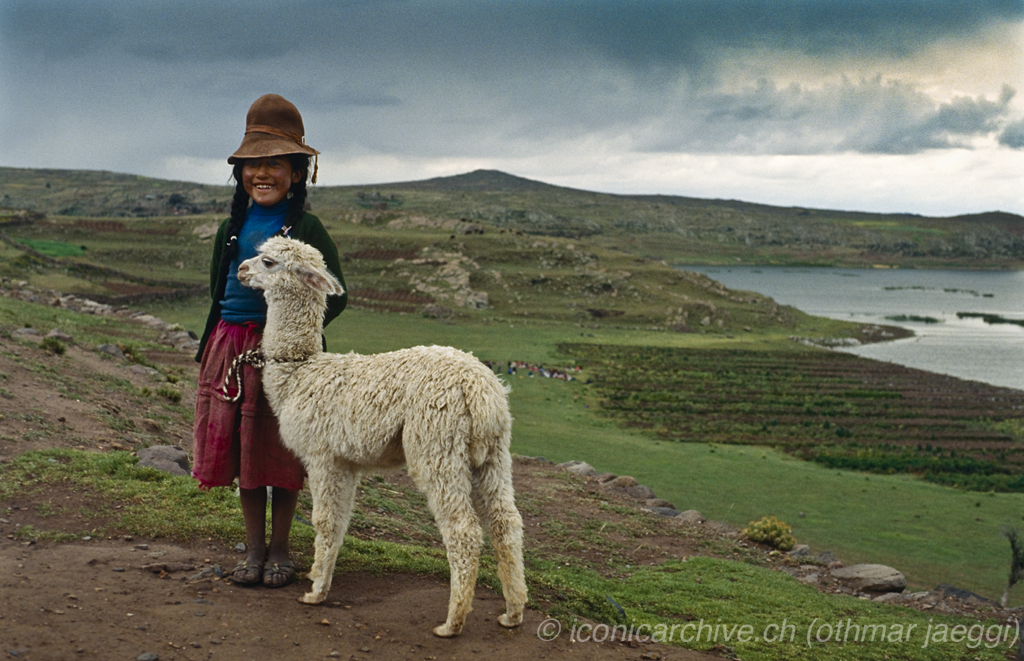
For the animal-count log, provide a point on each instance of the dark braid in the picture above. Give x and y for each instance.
(297, 202)
(239, 208)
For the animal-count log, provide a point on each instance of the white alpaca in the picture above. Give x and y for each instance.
(435, 409)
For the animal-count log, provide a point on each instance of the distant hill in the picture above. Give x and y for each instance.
(479, 181)
(674, 228)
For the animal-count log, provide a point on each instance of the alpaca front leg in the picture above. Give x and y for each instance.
(334, 495)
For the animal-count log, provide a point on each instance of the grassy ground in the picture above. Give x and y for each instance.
(738, 609)
(541, 291)
(929, 532)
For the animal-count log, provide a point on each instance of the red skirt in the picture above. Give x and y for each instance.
(238, 439)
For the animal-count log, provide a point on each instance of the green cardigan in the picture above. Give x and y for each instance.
(308, 230)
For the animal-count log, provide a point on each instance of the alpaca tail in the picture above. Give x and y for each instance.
(487, 400)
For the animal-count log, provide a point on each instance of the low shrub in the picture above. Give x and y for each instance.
(772, 532)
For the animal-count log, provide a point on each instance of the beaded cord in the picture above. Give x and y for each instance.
(253, 358)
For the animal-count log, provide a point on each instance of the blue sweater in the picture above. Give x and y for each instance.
(241, 303)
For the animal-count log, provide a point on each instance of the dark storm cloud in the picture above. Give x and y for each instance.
(475, 77)
(1013, 135)
(660, 33)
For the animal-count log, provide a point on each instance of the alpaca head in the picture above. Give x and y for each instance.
(288, 265)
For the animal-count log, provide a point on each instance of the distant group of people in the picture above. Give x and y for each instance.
(513, 367)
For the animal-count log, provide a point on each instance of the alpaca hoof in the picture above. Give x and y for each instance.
(510, 621)
(311, 598)
(445, 631)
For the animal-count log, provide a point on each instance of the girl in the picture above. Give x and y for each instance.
(240, 439)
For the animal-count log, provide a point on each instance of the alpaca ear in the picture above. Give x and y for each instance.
(320, 281)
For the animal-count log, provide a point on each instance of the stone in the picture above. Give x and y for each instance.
(640, 492)
(150, 320)
(58, 334)
(690, 516)
(602, 478)
(622, 482)
(800, 551)
(665, 511)
(142, 370)
(965, 596)
(148, 656)
(167, 458)
(871, 578)
(579, 468)
(207, 572)
(111, 350)
(658, 502)
(827, 558)
(26, 332)
(168, 567)
(182, 340)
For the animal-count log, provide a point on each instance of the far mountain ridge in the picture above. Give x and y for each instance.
(679, 230)
(16, 186)
(497, 181)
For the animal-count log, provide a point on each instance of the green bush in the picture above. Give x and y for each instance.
(53, 345)
(772, 532)
(170, 393)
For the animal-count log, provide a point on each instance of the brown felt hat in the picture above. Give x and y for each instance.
(273, 127)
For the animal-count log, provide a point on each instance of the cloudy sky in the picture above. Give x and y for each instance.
(880, 105)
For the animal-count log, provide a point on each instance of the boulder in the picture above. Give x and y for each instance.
(871, 578)
(579, 468)
(622, 482)
(640, 492)
(800, 551)
(658, 502)
(965, 596)
(26, 332)
(665, 511)
(111, 350)
(181, 340)
(143, 370)
(690, 516)
(167, 458)
(58, 334)
(897, 598)
(602, 478)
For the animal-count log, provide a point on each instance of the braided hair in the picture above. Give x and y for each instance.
(240, 204)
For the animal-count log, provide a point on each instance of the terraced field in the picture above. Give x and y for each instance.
(834, 408)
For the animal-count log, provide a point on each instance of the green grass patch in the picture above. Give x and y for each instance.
(54, 248)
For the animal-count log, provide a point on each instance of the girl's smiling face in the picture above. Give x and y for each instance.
(268, 180)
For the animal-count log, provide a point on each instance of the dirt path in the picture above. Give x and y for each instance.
(95, 600)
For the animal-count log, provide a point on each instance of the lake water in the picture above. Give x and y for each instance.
(967, 348)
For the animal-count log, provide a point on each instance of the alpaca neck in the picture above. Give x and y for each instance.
(294, 325)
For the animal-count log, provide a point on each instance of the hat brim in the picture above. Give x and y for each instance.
(265, 145)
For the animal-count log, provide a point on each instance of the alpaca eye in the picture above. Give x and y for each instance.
(268, 262)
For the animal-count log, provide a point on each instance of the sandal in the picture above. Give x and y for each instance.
(247, 573)
(279, 574)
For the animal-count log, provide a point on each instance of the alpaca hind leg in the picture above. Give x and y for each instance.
(463, 538)
(494, 500)
(333, 498)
